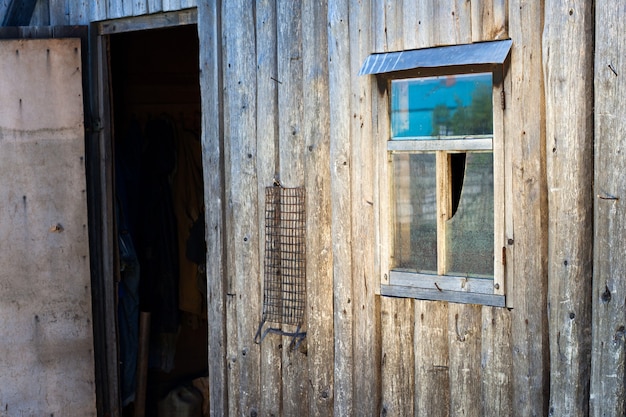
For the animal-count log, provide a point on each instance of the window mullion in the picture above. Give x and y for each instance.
(443, 207)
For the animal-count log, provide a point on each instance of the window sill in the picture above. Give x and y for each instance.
(443, 295)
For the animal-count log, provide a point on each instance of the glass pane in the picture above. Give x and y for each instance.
(436, 107)
(415, 228)
(469, 233)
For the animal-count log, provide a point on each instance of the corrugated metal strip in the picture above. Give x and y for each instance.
(480, 53)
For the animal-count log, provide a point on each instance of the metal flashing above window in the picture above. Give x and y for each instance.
(480, 53)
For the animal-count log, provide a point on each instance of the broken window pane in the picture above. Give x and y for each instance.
(415, 229)
(469, 233)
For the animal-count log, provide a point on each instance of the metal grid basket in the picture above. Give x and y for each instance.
(284, 283)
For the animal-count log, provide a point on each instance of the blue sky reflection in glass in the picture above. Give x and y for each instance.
(437, 107)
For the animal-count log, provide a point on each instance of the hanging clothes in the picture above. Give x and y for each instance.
(158, 236)
(188, 203)
(127, 157)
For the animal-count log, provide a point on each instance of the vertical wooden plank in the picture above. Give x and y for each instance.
(155, 6)
(608, 392)
(185, 4)
(340, 143)
(291, 165)
(379, 34)
(127, 7)
(500, 10)
(411, 23)
(267, 170)
(81, 14)
(78, 12)
(464, 341)
(386, 25)
(316, 127)
(366, 345)
(481, 11)
(489, 20)
(425, 27)
(496, 359)
(397, 376)
(453, 25)
(427, 23)
(140, 7)
(242, 227)
(59, 12)
(231, 74)
(290, 101)
(209, 31)
(432, 360)
(525, 133)
(103, 215)
(392, 23)
(169, 5)
(115, 9)
(568, 69)
(98, 10)
(461, 15)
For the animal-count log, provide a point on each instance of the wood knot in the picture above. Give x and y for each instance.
(57, 228)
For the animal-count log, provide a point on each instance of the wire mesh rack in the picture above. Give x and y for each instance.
(284, 282)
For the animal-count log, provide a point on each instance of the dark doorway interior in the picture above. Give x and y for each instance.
(159, 217)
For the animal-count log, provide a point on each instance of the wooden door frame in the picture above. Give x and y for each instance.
(101, 177)
(102, 226)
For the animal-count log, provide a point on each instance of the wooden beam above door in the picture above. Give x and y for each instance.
(153, 21)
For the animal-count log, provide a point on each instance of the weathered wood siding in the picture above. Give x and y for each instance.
(608, 392)
(209, 26)
(527, 263)
(319, 124)
(82, 12)
(569, 146)
(275, 120)
(282, 100)
(463, 352)
(385, 355)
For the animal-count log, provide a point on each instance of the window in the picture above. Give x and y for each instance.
(442, 208)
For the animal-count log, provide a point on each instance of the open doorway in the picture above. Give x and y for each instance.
(159, 204)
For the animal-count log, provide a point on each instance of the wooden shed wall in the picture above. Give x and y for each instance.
(294, 108)
(608, 391)
(82, 12)
(450, 359)
(282, 99)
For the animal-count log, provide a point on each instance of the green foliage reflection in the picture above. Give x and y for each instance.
(473, 119)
